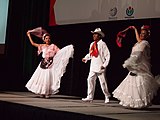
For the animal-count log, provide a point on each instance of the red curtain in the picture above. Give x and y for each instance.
(52, 21)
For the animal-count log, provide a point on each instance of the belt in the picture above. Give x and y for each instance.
(132, 74)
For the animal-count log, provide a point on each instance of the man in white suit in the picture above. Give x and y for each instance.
(100, 56)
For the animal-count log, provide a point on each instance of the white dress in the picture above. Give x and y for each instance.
(47, 81)
(139, 87)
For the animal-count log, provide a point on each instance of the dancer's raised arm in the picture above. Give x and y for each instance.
(136, 33)
(31, 41)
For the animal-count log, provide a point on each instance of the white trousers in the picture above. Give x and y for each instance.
(92, 83)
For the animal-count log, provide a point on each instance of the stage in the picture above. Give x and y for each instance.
(27, 106)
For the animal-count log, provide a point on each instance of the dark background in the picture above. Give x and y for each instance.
(20, 59)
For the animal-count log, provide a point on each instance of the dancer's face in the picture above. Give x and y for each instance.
(143, 34)
(47, 40)
(96, 37)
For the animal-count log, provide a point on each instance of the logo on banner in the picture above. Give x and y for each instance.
(113, 13)
(129, 12)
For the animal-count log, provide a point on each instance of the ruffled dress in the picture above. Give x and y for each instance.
(46, 80)
(139, 87)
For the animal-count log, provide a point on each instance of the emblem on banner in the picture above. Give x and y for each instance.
(113, 13)
(129, 11)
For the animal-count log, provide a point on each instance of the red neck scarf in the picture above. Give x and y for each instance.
(94, 49)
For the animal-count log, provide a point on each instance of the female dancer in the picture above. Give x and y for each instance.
(47, 77)
(139, 87)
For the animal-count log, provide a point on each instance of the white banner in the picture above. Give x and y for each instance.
(83, 11)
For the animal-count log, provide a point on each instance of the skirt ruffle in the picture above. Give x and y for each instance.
(136, 91)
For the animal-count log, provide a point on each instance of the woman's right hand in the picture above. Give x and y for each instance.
(28, 33)
(132, 27)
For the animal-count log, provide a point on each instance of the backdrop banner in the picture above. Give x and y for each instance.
(84, 11)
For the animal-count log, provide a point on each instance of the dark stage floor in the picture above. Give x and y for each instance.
(27, 106)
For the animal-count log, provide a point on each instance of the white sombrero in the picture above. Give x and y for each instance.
(98, 30)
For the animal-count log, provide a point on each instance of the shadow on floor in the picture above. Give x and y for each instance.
(14, 111)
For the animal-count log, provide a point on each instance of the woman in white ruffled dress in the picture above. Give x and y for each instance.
(139, 87)
(47, 77)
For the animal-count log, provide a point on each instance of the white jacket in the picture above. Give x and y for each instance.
(102, 59)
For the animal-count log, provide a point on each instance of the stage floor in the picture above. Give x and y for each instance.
(61, 105)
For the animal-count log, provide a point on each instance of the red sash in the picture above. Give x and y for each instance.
(94, 49)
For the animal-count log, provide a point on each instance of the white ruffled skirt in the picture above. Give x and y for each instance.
(47, 81)
(136, 91)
